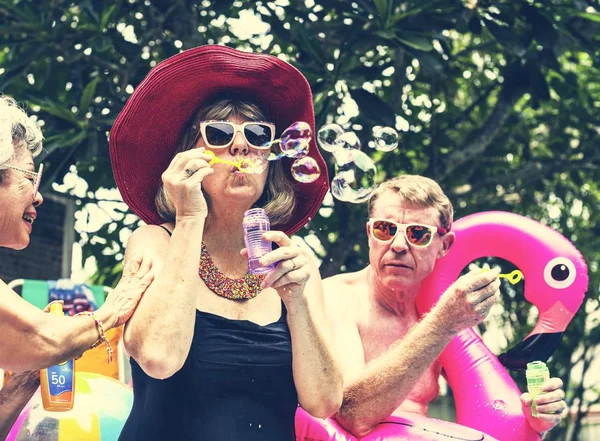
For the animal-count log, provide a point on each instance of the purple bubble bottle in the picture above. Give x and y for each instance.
(256, 222)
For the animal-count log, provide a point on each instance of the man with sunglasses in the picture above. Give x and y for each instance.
(388, 352)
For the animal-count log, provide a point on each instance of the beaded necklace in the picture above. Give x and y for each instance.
(243, 288)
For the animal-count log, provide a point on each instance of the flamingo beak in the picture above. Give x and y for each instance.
(536, 347)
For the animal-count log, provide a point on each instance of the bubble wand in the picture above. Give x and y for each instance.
(246, 165)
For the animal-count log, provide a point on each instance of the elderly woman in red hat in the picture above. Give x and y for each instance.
(219, 353)
(29, 339)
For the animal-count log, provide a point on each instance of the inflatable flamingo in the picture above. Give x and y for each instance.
(487, 399)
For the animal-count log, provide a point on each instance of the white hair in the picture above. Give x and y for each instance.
(16, 130)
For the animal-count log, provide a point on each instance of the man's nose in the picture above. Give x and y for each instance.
(399, 243)
(239, 144)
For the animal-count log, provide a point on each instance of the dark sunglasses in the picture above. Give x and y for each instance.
(35, 178)
(220, 134)
(418, 235)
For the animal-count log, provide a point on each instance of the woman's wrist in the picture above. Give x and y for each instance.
(107, 316)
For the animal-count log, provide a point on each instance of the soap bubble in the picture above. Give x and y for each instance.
(346, 146)
(327, 135)
(347, 141)
(253, 165)
(386, 139)
(295, 140)
(305, 170)
(354, 179)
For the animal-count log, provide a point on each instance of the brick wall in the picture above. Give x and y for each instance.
(48, 256)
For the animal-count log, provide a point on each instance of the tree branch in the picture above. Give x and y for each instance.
(481, 138)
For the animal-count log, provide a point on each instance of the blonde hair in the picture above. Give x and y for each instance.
(420, 192)
(17, 130)
(278, 198)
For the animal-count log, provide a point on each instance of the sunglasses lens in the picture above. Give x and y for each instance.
(383, 230)
(219, 134)
(259, 135)
(419, 235)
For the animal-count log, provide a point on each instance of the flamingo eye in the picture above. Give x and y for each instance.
(560, 273)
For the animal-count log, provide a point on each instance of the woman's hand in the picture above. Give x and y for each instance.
(550, 406)
(292, 269)
(183, 179)
(23, 382)
(122, 301)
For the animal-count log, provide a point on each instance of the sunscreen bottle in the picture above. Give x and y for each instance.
(537, 374)
(58, 382)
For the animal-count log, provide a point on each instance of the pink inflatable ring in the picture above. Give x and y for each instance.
(487, 399)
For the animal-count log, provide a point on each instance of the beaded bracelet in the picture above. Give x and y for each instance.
(102, 337)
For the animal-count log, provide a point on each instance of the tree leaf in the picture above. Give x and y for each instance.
(88, 95)
(415, 42)
(373, 108)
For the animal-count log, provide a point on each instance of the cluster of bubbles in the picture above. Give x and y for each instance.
(355, 172)
(295, 143)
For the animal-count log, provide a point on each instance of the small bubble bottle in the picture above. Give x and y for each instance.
(256, 222)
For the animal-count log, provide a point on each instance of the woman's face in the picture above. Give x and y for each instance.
(17, 205)
(227, 182)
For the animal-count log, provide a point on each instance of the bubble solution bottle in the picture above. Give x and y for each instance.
(256, 222)
(537, 374)
(58, 382)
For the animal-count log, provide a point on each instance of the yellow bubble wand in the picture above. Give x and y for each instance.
(513, 277)
(246, 165)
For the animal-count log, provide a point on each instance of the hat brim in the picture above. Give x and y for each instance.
(145, 134)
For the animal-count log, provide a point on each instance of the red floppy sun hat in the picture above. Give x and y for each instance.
(146, 132)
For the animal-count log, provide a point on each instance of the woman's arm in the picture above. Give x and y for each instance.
(317, 373)
(17, 392)
(159, 334)
(32, 339)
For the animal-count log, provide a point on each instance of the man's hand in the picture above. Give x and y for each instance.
(551, 406)
(468, 301)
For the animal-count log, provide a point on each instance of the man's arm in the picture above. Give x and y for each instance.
(385, 382)
(17, 392)
(375, 393)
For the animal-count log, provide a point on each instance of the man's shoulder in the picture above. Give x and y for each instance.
(347, 280)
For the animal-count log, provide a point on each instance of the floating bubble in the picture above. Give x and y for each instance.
(347, 141)
(347, 145)
(354, 179)
(328, 135)
(295, 140)
(295, 148)
(386, 139)
(305, 170)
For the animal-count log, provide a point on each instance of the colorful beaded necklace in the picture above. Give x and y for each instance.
(244, 288)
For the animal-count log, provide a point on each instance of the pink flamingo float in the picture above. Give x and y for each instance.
(487, 399)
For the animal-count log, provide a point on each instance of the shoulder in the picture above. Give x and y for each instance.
(148, 237)
(342, 293)
(341, 284)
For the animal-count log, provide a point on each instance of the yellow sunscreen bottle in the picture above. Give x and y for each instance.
(58, 382)
(537, 374)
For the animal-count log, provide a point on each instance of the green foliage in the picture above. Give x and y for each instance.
(498, 101)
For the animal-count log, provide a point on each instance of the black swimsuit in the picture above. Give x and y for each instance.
(236, 385)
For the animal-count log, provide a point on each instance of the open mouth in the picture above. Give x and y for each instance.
(28, 219)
